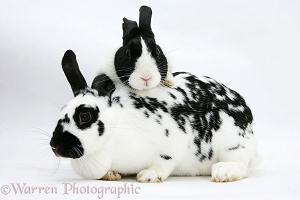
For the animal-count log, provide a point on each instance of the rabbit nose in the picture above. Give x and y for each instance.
(146, 79)
(55, 150)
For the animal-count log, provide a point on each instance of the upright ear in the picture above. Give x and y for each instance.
(104, 85)
(145, 18)
(127, 26)
(72, 72)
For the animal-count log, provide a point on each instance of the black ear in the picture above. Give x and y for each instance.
(72, 72)
(104, 85)
(145, 18)
(127, 26)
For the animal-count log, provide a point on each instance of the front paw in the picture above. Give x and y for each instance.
(150, 176)
(227, 172)
(111, 176)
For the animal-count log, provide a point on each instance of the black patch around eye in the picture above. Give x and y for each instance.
(124, 66)
(84, 111)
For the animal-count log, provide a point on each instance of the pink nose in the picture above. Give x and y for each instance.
(146, 79)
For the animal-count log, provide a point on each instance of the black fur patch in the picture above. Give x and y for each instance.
(65, 144)
(94, 113)
(166, 157)
(64, 120)
(100, 128)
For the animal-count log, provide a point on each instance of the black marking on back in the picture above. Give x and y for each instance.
(201, 109)
(149, 103)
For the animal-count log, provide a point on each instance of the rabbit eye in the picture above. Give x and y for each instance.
(128, 54)
(85, 117)
(157, 52)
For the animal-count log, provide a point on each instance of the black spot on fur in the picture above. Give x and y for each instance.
(100, 128)
(172, 95)
(166, 157)
(167, 132)
(157, 121)
(118, 101)
(236, 147)
(146, 114)
(94, 113)
(210, 154)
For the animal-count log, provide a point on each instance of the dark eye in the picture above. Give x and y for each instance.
(128, 54)
(157, 53)
(85, 117)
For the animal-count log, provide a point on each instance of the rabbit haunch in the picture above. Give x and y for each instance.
(199, 127)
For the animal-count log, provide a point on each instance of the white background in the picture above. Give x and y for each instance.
(251, 46)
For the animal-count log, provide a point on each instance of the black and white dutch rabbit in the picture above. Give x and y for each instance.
(139, 63)
(197, 127)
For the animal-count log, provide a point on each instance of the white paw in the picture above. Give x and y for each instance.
(150, 176)
(111, 176)
(227, 172)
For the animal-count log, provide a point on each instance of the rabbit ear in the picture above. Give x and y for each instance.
(127, 26)
(104, 85)
(72, 72)
(145, 18)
